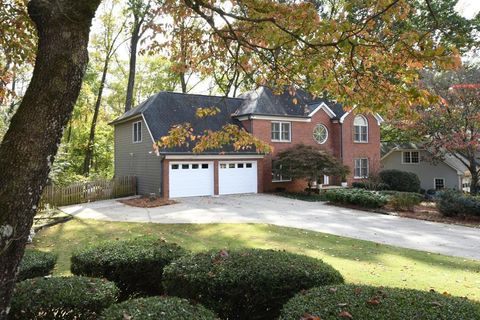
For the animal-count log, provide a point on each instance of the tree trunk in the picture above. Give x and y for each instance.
(133, 66)
(91, 140)
(31, 142)
(474, 182)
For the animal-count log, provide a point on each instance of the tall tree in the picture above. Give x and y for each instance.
(452, 124)
(140, 12)
(106, 43)
(31, 142)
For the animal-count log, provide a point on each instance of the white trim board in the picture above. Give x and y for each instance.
(212, 157)
(148, 128)
(273, 118)
(326, 108)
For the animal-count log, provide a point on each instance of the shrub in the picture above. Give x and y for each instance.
(164, 308)
(377, 303)
(311, 197)
(136, 266)
(62, 298)
(36, 264)
(455, 203)
(359, 197)
(401, 180)
(403, 201)
(368, 185)
(246, 284)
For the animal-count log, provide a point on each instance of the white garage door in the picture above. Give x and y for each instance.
(237, 177)
(191, 179)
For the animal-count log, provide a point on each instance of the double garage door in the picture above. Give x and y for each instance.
(189, 179)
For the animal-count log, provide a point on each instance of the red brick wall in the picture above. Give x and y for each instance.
(302, 132)
(369, 150)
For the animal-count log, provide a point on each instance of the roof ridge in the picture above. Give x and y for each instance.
(199, 95)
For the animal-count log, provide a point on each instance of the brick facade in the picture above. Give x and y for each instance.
(340, 143)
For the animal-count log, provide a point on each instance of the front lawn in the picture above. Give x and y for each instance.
(361, 262)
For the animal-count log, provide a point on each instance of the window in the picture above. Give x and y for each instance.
(281, 131)
(240, 165)
(223, 166)
(231, 165)
(277, 174)
(411, 157)
(185, 166)
(361, 168)
(360, 126)
(248, 165)
(320, 133)
(195, 166)
(174, 166)
(439, 183)
(137, 132)
(204, 165)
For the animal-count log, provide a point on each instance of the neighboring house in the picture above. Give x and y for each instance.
(280, 120)
(448, 173)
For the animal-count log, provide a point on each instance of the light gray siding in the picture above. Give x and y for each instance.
(425, 170)
(137, 159)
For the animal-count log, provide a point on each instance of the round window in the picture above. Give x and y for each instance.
(320, 133)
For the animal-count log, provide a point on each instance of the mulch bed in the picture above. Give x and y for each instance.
(428, 212)
(147, 202)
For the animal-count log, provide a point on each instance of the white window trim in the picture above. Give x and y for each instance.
(368, 129)
(435, 185)
(410, 151)
(280, 127)
(326, 130)
(133, 132)
(281, 177)
(368, 168)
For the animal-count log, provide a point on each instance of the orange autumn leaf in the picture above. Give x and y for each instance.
(345, 314)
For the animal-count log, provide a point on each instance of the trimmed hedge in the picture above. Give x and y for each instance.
(400, 180)
(304, 196)
(36, 264)
(455, 203)
(403, 201)
(246, 284)
(136, 266)
(370, 185)
(359, 197)
(157, 308)
(377, 303)
(62, 298)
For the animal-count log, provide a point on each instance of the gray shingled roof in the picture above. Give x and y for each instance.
(263, 101)
(166, 109)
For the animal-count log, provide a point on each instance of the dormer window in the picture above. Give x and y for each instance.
(360, 125)
(137, 132)
(281, 131)
(411, 157)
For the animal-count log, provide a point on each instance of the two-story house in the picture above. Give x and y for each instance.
(281, 120)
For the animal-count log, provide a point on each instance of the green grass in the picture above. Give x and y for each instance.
(359, 261)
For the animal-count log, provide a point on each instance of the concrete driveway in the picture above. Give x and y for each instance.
(263, 208)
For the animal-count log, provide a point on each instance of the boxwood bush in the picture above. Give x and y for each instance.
(62, 298)
(157, 308)
(400, 180)
(246, 284)
(136, 266)
(454, 203)
(377, 303)
(359, 197)
(36, 264)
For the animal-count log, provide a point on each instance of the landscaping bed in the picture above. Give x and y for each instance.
(147, 202)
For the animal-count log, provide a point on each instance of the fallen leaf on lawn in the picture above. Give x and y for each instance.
(126, 316)
(307, 316)
(436, 304)
(342, 304)
(332, 290)
(345, 314)
(358, 291)
(374, 301)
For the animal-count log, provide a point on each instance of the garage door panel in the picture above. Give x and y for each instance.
(237, 177)
(190, 179)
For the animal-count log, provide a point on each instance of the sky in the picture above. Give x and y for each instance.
(468, 8)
